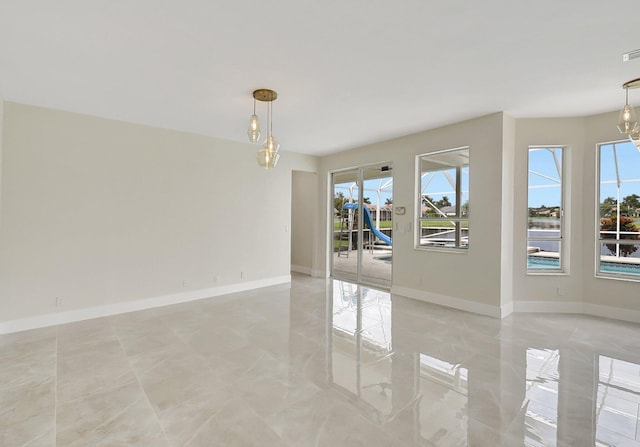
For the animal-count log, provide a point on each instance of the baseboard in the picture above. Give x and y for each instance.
(597, 310)
(560, 307)
(632, 316)
(506, 309)
(448, 301)
(89, 313)
(314, 273)
(301, 269)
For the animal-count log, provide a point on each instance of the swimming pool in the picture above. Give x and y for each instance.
(537, 262)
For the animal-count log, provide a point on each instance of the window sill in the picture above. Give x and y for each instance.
(617, 277)
(443, 250)
(547, 273)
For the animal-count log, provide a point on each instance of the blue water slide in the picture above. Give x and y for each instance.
(368, 222)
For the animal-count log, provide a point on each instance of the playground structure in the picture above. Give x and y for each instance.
(347, 222)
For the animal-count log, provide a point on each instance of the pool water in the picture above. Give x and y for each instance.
(536, 262)
(614, 267)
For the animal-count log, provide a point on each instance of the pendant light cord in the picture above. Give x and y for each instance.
(626, 90)
(270, 120)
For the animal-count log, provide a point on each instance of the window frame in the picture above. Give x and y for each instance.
(459, 194)
(562, 239)
(599, 241)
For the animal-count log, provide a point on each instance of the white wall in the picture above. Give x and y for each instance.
(578, 290)
(598, 292)
(304, 221)
(471, 279)
(1, 127)
(492, 277)
(102, 213)
(97, 212)
(531, 289)
(507, 207)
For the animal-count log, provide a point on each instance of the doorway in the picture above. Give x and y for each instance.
(362, 219)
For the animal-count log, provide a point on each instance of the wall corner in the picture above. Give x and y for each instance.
(507, 212)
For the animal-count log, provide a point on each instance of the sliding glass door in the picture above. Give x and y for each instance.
(362, 225)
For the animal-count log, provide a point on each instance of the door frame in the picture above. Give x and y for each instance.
(359, 170)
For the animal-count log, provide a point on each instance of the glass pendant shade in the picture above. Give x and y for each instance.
(271, 144)
(267, 159)
(254, 129)
(627, 121)
(268, 156)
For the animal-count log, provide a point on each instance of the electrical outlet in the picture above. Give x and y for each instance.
(216, 279)
(241, 275)
(59, 301)
(185, 283)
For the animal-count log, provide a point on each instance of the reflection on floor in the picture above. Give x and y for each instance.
(321, 363)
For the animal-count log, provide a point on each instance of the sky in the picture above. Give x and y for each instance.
(545, 168)
(438, 187)
(543, 178)
(628, 168)
(370, 190)
(545, 187)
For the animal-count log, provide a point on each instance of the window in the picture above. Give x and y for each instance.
(545, 224)
(618, 246)
(443, 199)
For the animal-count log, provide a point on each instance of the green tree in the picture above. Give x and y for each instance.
(427, 200)
(338, 201)
(366, 200)
(465, 208)
(607, 206)
(626, 225)
(631, 204)
(443, 202)
(389, 201)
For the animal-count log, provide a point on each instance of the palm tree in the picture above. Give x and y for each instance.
(443, 202)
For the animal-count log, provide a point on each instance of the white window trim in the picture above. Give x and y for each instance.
(598, 241)
(564, 215)
(418, 206)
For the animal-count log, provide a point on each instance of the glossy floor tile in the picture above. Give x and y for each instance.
(322, 363)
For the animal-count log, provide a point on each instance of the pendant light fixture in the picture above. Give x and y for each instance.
(267, 156)
(254, 126)
(627, 121)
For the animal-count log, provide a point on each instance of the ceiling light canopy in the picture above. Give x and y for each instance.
(267, 156)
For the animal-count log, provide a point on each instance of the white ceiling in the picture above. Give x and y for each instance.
(347, 72)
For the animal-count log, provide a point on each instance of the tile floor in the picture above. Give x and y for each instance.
(321, 363)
